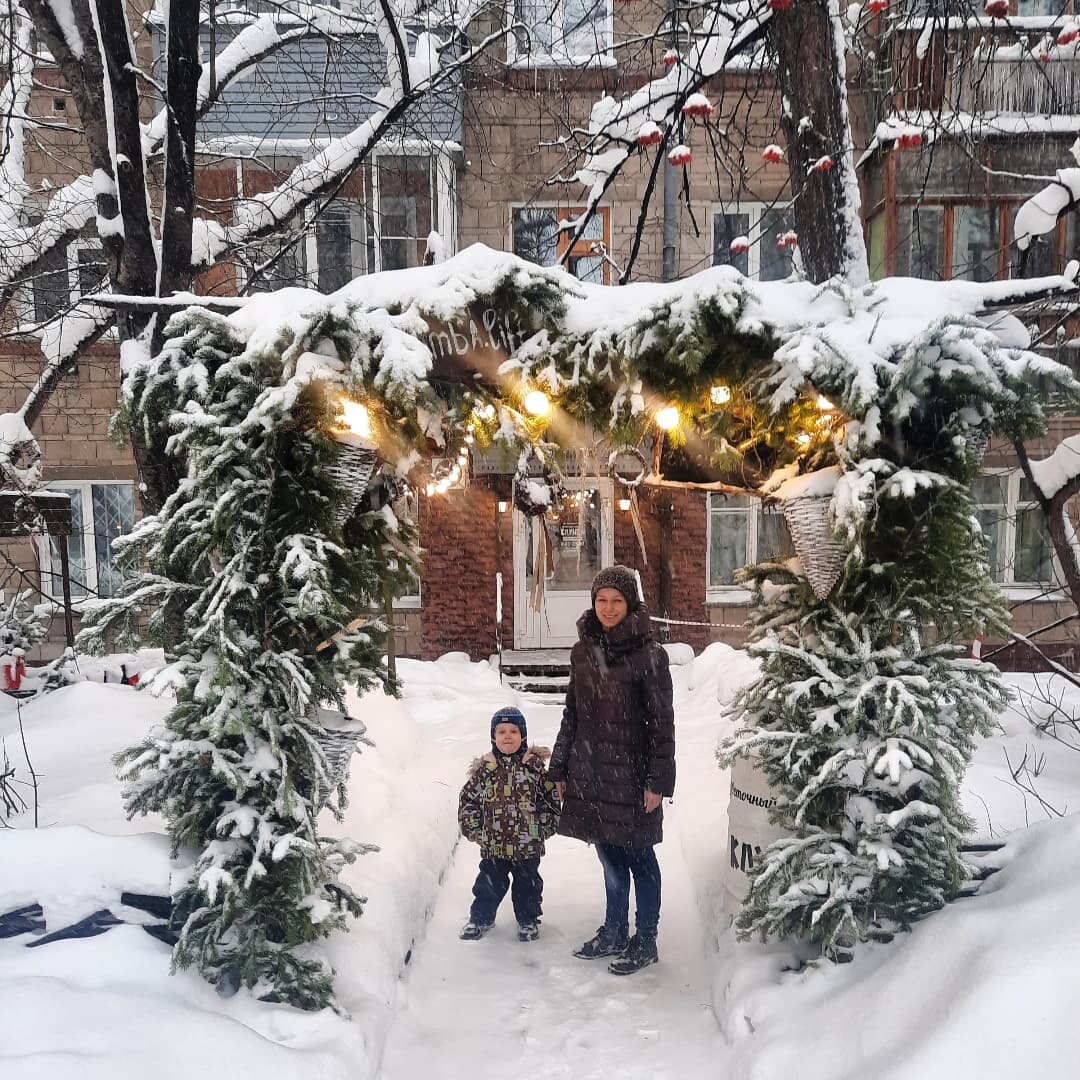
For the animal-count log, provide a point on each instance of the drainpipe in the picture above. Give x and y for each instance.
(666, 513)
(670, 206)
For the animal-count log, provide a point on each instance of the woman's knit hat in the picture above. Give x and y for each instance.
(618, 577)
(510, 715)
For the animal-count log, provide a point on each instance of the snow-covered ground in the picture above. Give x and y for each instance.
(986, 988)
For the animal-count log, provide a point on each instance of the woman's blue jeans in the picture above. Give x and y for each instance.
(620, 863)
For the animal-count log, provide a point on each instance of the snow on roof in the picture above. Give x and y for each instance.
(933, 123)
(814, 325)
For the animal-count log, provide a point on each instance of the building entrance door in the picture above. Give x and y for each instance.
(580, 541)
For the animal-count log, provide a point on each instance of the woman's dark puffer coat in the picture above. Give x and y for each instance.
(617, 739)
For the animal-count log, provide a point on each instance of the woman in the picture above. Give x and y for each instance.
(614, 761)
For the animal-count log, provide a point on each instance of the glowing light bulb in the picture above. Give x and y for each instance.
(803, 439)
(537, 403)
(355, 416)
(824, 404)
(720, 395)
(667, 418)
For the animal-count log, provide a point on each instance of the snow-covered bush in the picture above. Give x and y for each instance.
(868, 706)
(244, 574)
(21, 628)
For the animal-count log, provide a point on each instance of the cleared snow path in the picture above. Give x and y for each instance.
(502, 1008)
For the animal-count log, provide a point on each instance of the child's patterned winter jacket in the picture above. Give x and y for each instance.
(508, 805)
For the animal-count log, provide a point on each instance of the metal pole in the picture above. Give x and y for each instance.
(391, 631)
(668, 272)
(65, 579)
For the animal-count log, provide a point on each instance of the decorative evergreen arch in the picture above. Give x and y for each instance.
(866, 711)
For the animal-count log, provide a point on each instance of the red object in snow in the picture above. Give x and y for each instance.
(649, 134)
(1044, 56)
(909, 140)
(671, 58)
(772, 153)
(14, 670)
(823, 164)
(132, 680)
(997, 9)
(1068, 36)
(779, 5)
(680, 155)
(787, 240)
(739, 245)
(698, 105)
(878, 6)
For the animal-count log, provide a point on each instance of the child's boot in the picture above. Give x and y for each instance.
(528, 931)
(472, 931)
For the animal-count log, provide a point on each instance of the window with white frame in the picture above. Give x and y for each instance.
(766, 253)
(560, 31)
(1015, 529)
(66, 273)
(100, 512)
(398, 200)
(536, 237)
(742, 532)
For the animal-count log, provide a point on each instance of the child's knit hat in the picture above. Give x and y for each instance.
(510, 715)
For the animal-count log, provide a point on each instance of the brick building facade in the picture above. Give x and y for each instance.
(492, 185)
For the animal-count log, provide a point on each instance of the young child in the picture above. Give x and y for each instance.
(508, 806)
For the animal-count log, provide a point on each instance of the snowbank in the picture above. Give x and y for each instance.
(985, 988)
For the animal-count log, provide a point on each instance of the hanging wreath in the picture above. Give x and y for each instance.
(628, 466)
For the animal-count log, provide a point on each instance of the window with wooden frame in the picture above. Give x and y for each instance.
(973, 242)
(535, 236)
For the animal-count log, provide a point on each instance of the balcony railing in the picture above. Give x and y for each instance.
(1028, 87)
(984, 70)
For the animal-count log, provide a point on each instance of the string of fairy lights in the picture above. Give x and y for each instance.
(355, 418)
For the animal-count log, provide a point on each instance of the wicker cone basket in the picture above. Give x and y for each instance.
(820, 552)
(351, 471)
(338, 745)
(977, 440)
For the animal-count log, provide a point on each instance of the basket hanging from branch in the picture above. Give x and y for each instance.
(351, 469)
(338, 746)
(821, 554)
(977, 440)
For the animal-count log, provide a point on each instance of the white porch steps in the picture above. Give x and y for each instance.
(541, 675)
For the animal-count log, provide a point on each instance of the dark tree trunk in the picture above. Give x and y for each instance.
(182, 87)
(814, 118)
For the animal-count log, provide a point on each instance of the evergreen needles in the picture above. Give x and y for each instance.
(242, 575)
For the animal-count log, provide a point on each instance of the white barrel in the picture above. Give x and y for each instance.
(749, 829)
